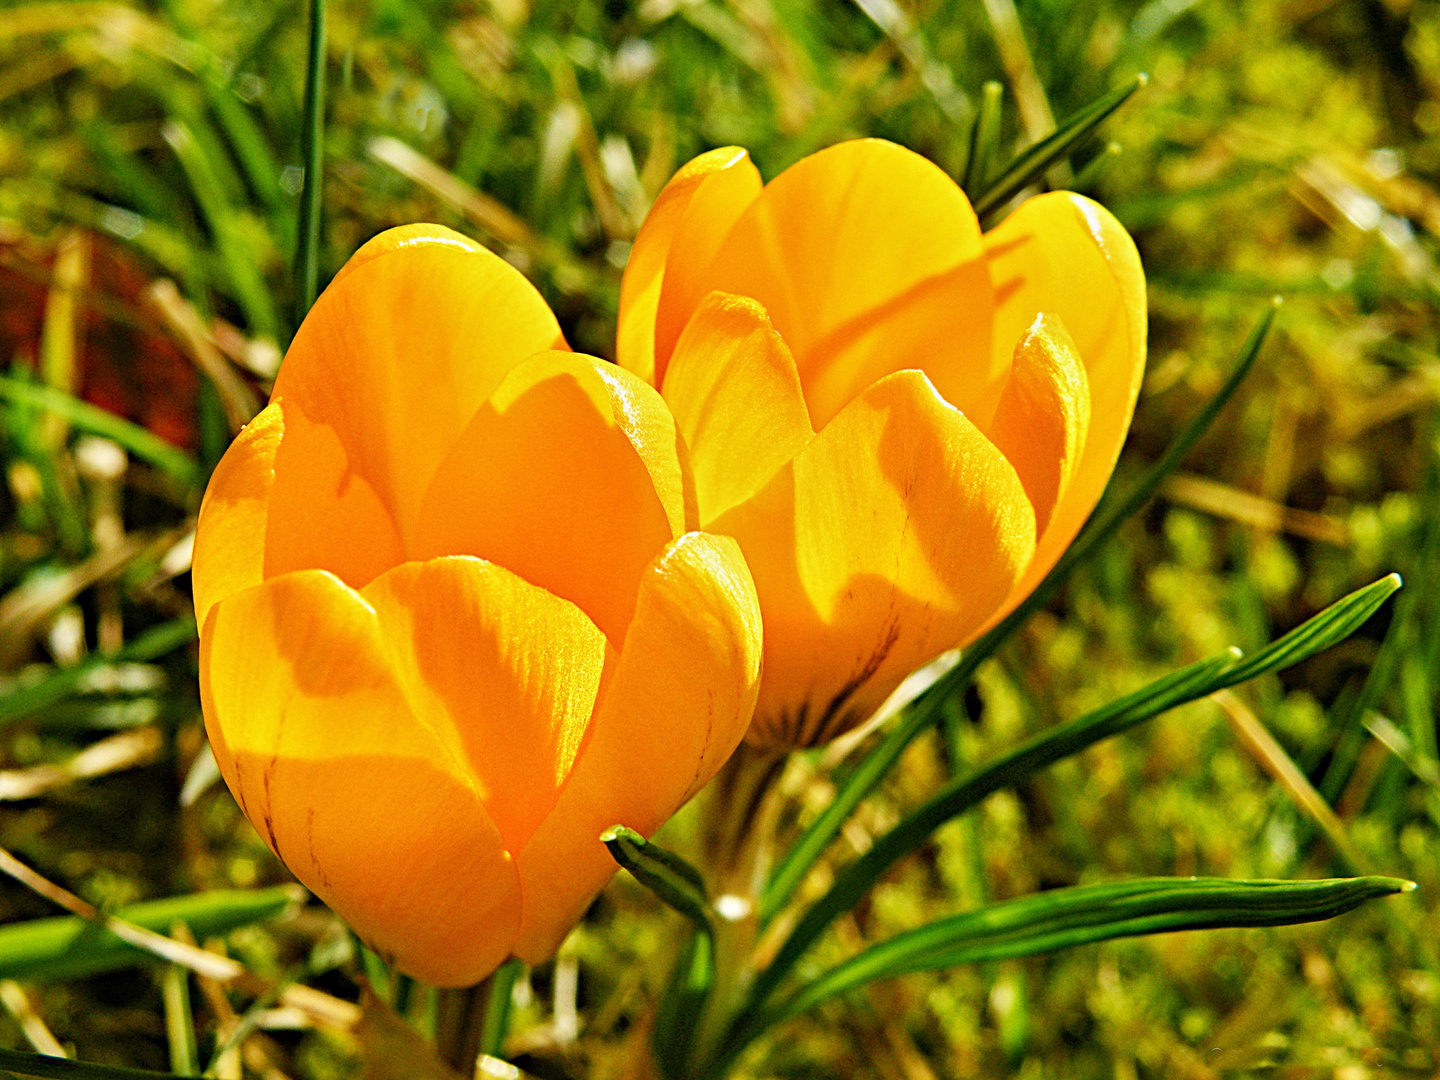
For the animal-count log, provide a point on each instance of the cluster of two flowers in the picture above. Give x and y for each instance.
(467, 599)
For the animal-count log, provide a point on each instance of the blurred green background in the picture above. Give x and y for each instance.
(149, 188)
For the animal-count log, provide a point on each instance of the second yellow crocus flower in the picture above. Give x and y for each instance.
(901, 420)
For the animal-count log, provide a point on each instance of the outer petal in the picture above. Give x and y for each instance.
(678, 704)
(403, 347)
(323, 512)
(690, 217)
(736, 396)
(361, 800)
(1064, 254)
(230, 535)
(1044, 415)
(887, 540)
(503, 672)
(869, 260)
(570, 476)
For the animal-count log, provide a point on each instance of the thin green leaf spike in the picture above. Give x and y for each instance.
(984, 139)
(312, 147)
(1190, 683)
(1031, 163)
(1064, 918)
(672, 879)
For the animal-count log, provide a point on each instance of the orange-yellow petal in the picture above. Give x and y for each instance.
(869, 260)
(1044, 415)
(323, 513)
(677, 705)
(887, 540)
(688, 220)
(404, 346)
(1064, 254)
(504, 673)
(230, 535)
(570, 475)
(736, 396)
(358, 797)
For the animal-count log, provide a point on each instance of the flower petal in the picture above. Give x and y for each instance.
(1044, 415)
(502, 671)
(1064, 254)
(677, 705)
(404, 346)
(323, 513)
(570, 476)
(869, 260)
(887, 540)
(358, 797)
(737, 401)
(690, 217)
(230, 535)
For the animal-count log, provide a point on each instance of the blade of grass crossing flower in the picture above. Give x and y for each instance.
(1190, 683)
(680, 886)
(674, 881)
(70, 947)
(53, 1068)
(1032, 163)
(1108, 518)
(134, 438)
(151, 645)
(984, 139)
(1064, 918)
(312, 148)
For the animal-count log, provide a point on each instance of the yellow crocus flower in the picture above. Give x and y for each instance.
(903, 421)
(456, 616)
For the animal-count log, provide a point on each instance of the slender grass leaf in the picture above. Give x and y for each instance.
(672, 879)
(151, 645)
(984, 139)
(1190, 683)
(1033, 162)
(246, 281)
(1103, 524)
(134, 438)
(678, 1017)
(56, 1068)
(70, 947)
(1063, 918)
(1330, 627)
(496, 1022)
(312, 150)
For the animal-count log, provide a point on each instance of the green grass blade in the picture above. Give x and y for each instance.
(134, 438)
(151, 645)
(680, 886)
(54, 1068)
(1329, 627)
(1064, 918)
(312, 150)
(246, 281)
(1103, 524)
(677, 1019)
(70, 947)
(497, 1008)
(672, 879)
(1030, 164)
(984, 139)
